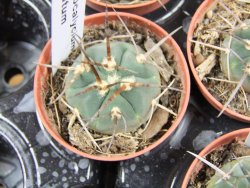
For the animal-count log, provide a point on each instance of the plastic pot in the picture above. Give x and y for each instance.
(42, 73)
(139, 9)
(197, 18)
(196, 165)
(17, 158)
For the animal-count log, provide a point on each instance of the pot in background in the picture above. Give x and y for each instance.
(196, 19)
(139, 9)
(197, 165)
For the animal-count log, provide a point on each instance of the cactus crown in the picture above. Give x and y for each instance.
(125, 94)
(238, 171)
(236, 62)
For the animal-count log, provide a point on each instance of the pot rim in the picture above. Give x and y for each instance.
(183, 68)
(223, 140)
(198, 16)
(139, 9)
(124, 6)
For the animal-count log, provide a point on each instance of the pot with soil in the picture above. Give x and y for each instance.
(230, 155)
(219, 55)
(117, 96)
(139, 7)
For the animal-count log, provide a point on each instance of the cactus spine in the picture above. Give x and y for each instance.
(237, 60)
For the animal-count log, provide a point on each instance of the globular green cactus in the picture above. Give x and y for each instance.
(238, 57)
(131, 107)
(238, 172)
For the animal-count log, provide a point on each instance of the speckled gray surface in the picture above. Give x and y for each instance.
(29, 157)
(43, 162)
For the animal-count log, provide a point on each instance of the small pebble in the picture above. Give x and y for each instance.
(199, 59)
(209, 14)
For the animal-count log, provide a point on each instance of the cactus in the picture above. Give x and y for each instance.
(125, 110)
(238, 57)
(238, 172)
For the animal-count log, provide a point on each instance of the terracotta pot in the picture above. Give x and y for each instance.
(42, 73)
(196, 166)
(197, 18)
(139, 9)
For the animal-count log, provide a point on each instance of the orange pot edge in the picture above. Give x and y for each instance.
(139, 9)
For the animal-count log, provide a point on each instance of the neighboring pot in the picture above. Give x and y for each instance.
(196, 166)
(41, 75)
(139, 9)
(197, 18)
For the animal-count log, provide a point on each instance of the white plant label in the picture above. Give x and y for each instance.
(247, 141)
(67, 21)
